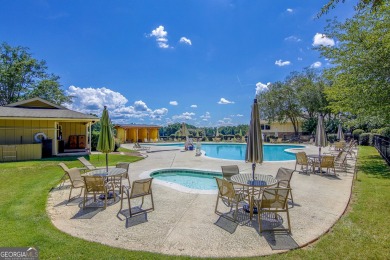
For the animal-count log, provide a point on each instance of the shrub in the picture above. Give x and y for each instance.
(117, 144)
(356, 133)
(364, 139)
(385, 131)
(374, 131)
(332, 137)
(94, 140)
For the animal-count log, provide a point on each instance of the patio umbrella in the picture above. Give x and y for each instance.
(340, 134)
(254, 147)
(216, 133)
(106, 142)
(320, 134)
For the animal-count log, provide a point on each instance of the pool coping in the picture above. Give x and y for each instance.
(178, 187)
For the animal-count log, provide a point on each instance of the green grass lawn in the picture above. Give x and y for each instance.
(24, 186)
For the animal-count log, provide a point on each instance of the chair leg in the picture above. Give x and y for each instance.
(259, 219)
(292, 199)
(85, 198)
(128, 201)
(288, 221)
(70, 193)
(151, 197)
(216, 206)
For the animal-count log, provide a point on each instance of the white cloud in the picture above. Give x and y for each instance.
(224, 101)
(299, 58)
(260, 87)
(316, 64)
(239, 115)
(289, 10)
(206, 116)
(322, 39)
(93, 100)
(281, 63)
(161, 36)
(173, 103)
(194, 106)
(185, 40)
(292, 38)
(184, 116)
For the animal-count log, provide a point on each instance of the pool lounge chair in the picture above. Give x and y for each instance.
(138, 147)
(88, 165)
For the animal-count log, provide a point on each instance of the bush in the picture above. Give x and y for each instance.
(364, 139)
(332, 137)
(384, 132)
(356, 133)
(94, 140)
(374, 131)
(117, 144)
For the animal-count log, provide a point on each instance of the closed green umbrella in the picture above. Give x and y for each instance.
(320, 134)
(340, 134)
(106, 142)
(254, 147)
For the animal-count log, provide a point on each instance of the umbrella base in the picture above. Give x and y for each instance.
(110, 196)
(247, 209)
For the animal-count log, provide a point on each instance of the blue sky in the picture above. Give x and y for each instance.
(160, 62)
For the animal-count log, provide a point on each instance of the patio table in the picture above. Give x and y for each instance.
(261, 181)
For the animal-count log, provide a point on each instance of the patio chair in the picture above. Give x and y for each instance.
(229, 170)
(229, 195)
(140, 189)
(327, 162)
(118, 181)
(76, 181)
(65, 176)
(96, 185)
(88, 165)
(302, 160)
(283, 176)
(273, 200)
(341, 160)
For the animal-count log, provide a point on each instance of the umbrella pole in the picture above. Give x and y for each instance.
(107, 162)
(253, 171)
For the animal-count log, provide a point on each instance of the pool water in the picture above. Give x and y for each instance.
(193, 179)
(237, 151)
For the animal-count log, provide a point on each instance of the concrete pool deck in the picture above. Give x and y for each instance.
(185, 223)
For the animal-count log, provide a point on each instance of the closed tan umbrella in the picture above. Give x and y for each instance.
(254, 147)
(321, 140)
(340, 134)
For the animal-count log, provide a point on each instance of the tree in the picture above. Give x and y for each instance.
(361, 72)
(280, 103)
(23, 77)
(362, 4)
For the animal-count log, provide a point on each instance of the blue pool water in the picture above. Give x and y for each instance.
(193, 179)
(237, 151)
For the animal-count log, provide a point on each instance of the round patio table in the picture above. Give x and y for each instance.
(261, 181)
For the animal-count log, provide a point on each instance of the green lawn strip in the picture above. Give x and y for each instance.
(363, 233)
(24, 186)
(125, 150)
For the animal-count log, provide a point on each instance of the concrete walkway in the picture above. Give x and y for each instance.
(185, 223)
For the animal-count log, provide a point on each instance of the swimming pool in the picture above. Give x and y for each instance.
(189, 180)
(237, 151)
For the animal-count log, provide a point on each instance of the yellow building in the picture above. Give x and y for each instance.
(35, 128)
(137, 133)
(279, 129)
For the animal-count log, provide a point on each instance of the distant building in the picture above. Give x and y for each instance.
(132, 133)
(279, 129)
